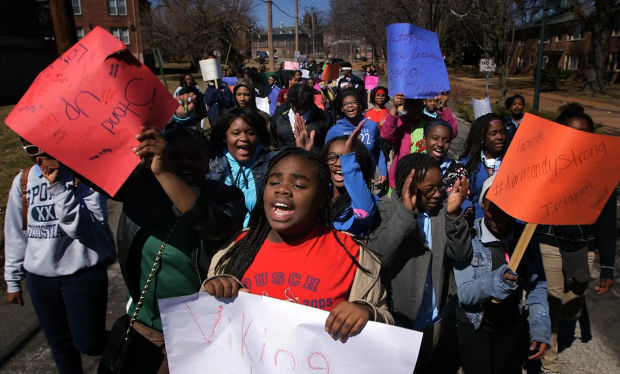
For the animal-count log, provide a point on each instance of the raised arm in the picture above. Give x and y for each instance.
(398, 221)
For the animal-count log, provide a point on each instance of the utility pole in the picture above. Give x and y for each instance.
(270, 36)
(540, 57)
(64, 24)
(296, 26)
(350, 45)
(312, 23)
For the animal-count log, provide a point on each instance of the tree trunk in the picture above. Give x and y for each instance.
(503, 83)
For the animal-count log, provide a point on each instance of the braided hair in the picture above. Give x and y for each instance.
(475, 141)
(421, 162)
(574, 110)
(241, 255)
(340, 208)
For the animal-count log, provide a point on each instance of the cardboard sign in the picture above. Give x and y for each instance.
(262, 103)
(291, 65)
(481, 107)
(555, 175)
(331, 72)
(87, 107)
(318, 101)
(211, 69)
(371, 81)
(273, 97)
(415, 63)
(230, 81)
(487, 65)
(256, 334)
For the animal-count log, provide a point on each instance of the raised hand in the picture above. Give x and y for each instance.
(153, 144)
(187, 103)
(302, 139)
(409, 199)
(348, 145)
(457, 196)
(50, 168)
(398, 100)
(442, 100)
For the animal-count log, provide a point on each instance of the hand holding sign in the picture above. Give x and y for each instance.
(86, 107)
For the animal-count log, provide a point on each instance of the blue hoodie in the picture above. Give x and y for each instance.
(370, 136)
(363, 203)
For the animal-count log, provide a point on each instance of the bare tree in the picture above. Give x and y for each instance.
(601, 24)
(193, 29)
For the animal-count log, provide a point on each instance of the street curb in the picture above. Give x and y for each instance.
(14, 346)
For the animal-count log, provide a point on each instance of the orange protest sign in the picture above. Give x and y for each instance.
(553, 174)
(331, 72)
(86, 108)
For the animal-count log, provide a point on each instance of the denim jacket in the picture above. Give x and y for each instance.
(476, 284)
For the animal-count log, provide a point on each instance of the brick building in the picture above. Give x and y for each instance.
(284, 42)
(119, 17)
(567, 45)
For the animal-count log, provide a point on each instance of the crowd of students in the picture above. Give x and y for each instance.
(292, 193)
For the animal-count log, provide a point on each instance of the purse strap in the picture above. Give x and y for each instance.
(149, 280)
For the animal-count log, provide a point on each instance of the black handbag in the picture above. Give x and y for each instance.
(127, 351)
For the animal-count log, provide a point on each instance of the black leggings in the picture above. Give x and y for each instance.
(487, 351)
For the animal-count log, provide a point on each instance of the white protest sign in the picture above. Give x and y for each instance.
(487, 65)
(305, 73)
(211, 69)
(262, 103)
(256, 334)
(481, 107)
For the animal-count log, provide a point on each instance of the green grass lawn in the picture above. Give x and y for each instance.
(12, 160)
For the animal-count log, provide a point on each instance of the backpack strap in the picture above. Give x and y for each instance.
(24, 188)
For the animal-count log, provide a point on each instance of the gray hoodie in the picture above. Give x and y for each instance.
(67, 228)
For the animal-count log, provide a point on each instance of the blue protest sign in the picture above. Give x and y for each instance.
(273, 96)
(415, 63)
(230, 81)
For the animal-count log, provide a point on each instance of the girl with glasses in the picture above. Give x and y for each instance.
(416, 240)
(353, 207)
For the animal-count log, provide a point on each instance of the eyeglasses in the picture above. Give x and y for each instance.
(349, 103)
(332, 158)
(431, 191)
(32, 150)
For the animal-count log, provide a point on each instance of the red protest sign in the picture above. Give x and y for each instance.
(555, 175)
(331, 72)
(86, 108)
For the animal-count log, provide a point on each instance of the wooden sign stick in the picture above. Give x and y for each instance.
(519, 251)
(216, 85)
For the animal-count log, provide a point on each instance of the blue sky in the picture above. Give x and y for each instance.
(286, 13)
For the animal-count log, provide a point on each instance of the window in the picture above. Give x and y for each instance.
(614, 62)
(576, 33)
(121, 33)
(117, 7)
(80, 32)
(520, 63)
(545, 61)
(547, 40)
(616, 30)
(571, 62)
(77, 6)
